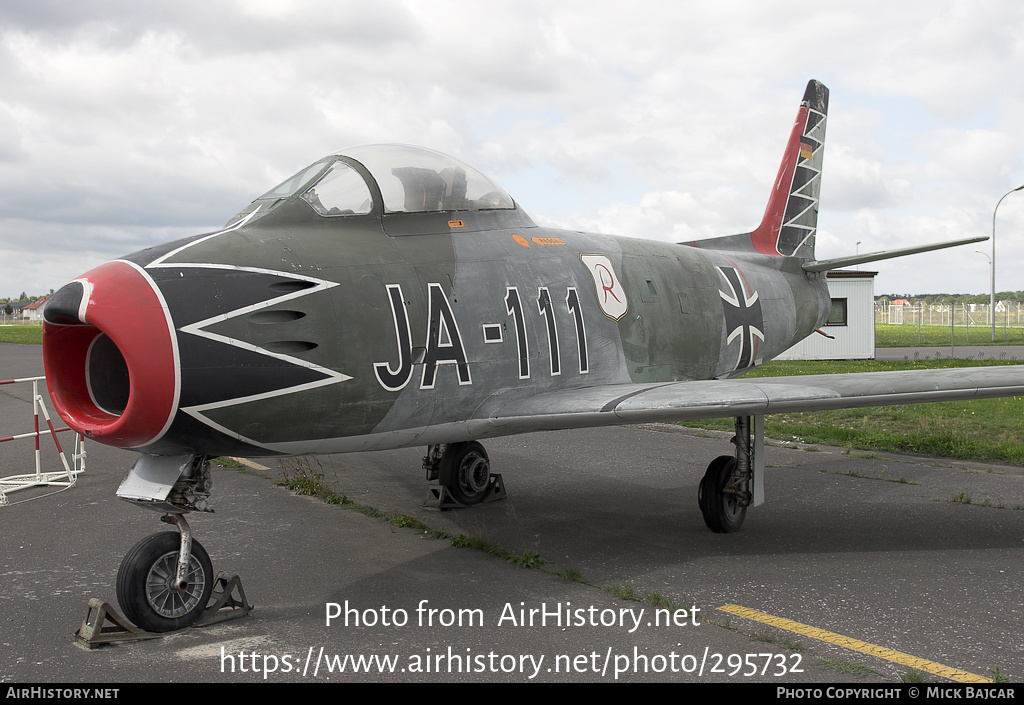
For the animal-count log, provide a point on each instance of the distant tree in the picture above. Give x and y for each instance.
(8, 310)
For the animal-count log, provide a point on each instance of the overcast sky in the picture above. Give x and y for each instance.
(126, 124)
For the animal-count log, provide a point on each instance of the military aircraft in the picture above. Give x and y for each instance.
(390, 296)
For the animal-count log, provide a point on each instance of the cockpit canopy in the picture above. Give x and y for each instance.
(408, 179)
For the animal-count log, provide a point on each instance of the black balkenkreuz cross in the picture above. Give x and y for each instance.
(743, 318)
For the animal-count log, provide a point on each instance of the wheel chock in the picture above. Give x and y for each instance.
(438, 496)
(225, 604)
(103, 624)
(95, 630)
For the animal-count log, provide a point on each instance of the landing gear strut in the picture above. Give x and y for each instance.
(733, 483)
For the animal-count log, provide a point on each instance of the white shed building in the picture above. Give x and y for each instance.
(852, 324)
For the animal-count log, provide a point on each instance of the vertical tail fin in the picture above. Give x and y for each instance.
(791, 218)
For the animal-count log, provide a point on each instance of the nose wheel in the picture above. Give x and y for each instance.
(154, 593)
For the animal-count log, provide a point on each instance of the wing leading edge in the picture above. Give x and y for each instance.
(679, 401)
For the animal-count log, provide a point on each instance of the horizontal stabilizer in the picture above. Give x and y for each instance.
(824, 265)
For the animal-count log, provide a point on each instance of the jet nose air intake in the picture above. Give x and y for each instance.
(110, 356)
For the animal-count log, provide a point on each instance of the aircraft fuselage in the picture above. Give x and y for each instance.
(295, 335)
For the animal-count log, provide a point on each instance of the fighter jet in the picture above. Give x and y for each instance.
(391, 296)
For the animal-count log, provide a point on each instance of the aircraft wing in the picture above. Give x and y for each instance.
(679, 401)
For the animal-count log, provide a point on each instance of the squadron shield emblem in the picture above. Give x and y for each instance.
(610, 294)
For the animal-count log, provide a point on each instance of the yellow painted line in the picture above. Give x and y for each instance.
(914, 662)
(250, 464)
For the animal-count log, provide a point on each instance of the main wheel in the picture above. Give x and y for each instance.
(466, 471)
(146, 589)
(722, 512)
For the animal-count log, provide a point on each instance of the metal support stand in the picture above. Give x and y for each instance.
(65, 478)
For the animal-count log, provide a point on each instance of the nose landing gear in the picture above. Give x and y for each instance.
(164, 581)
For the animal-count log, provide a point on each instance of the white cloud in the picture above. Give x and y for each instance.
(122, 122)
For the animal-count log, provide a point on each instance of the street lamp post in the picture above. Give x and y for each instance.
(991, 307)
(992, 293)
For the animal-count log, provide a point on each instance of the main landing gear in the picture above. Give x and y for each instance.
(733, 483)
(463, 472)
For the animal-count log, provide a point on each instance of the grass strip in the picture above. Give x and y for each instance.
(981, 429)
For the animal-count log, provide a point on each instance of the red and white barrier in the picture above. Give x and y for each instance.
(61, 478)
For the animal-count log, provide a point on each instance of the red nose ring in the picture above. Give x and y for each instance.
(110, 356)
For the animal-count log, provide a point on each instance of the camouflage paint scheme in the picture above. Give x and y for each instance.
(297, 330)
(665, 334)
